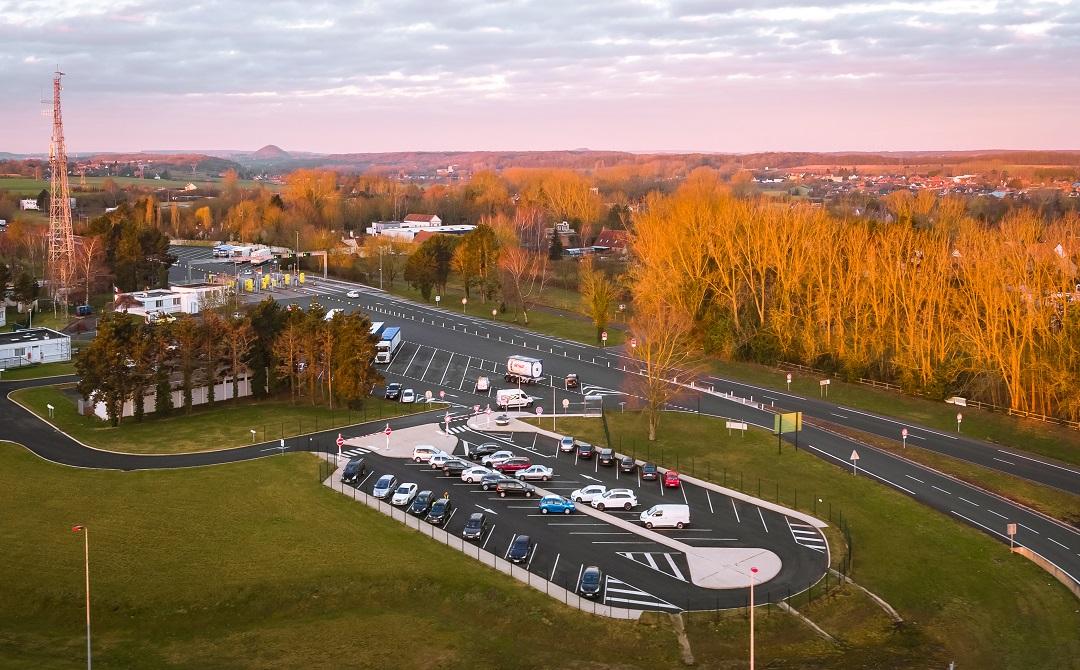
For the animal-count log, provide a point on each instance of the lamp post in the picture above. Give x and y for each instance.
(86, 565)
(753, 571)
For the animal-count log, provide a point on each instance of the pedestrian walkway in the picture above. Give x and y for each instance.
(618, 592)
(806, 535)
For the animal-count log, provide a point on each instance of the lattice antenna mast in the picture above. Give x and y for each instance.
(61, 239)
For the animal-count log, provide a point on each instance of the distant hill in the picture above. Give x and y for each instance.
(271, 152)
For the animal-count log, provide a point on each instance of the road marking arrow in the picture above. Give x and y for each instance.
(489, 511)
(592, 478)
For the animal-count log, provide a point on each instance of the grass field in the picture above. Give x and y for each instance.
(978, 604)
(27, 186)
(38, 371)
(257, 565)
(1023, 434)
(223, 426)
(42, 319)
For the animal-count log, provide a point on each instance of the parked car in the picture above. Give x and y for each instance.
(353, 294)
(404, 494)
(474, 474)
(475, 526)
(491, 460)
(481, 450)
(502, 420)
(671, 479)
(627, 464)
(408, 395)
(513, 464)
(606, 456)
(585, 450)
(572, 381)
(354, 470)
(649, 471)
(438, 460)
(514, 487)
(666, 516)
(520, 549)
(591, 583)
(489, 482)
(556, 505)
(566, 444)
(588, 493)
(393, 391)
(422, 453)
(623, 498)
(383, 486)
(455, 466)
(440, 512)
(422, 503)
(541, 472)
(483, 384)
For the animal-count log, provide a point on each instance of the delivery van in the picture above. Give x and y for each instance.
(666, 516)
(513, 399)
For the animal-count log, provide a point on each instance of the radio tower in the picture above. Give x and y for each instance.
(61, 240)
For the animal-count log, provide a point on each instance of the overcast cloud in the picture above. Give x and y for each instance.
(682, 74)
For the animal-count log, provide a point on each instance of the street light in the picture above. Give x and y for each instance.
(753, 571)
(86, 565)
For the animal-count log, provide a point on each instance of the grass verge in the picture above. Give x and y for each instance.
(39, 371)
(257, 565)
(966, 598)
(220, 427)
(1017, 433)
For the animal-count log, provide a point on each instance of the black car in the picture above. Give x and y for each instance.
(475, 526)
(627, 464)
(354, 470)
(514, 487)
(572, 381)
(455, 466)
(520, 549)
(489, 482)
(481, 450)
(393, 391)
(421, 504)
(440, 512)
(585, 450)
(606, 456)
(648, 471)
(591, 583)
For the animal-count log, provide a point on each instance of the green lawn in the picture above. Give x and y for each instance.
(1022, 434)
(42, 319)
(27, 186)
(964, 594)
(223, 426)
(39, 371)
(257, 565)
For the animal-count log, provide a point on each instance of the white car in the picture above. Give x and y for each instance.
(438, 460)
(383, 486)
(422, 453)
(588, 493)
(566, 443)
(483, 384)
(491, 460)
(408, 395)
(623, 498)
(404, 494)
(352, 294)
(541, 472)
(474, 474)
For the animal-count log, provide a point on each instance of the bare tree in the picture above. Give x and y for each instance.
(664, 351)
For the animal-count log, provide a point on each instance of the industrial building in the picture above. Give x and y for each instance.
(33, 345)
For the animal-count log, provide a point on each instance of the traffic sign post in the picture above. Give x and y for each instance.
(539, 410)
(442, 395)
(959, 418)
(447, 423)
(823, 387)
(340, 443)
(1010, 529)
(903, 435)
(387, 432)
(854, 462)
(789, 381)
(252, 431)
(603, 338)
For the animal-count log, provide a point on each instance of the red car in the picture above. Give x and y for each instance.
(513, 464)
(671, 479)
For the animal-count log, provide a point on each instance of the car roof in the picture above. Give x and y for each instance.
(522, 538)
(386, 478)
(476, 516)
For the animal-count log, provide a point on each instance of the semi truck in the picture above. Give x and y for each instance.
(388, 344)
(524, 370)
(377, 328)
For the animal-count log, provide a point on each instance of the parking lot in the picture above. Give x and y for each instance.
(638, 572)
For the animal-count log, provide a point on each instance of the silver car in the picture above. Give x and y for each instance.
(384, 486)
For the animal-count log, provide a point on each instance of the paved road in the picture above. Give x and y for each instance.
(446, 350)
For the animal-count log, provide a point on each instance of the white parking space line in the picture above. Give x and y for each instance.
(507, 552)
(651, 560)
(443, 378)
(711, 510)
(365, 479)
(580, 569)
(736, 510)
(554, 567)
(674, 568)
(464, 374)
(449, 518)
(620, 542)
(762, 517)
(490, 533)
(428, 366)
(683, 489)
(559, 523)
(528, 566)
(604, 532)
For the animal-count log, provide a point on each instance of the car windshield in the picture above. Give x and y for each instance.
(438, 507)
(385, 482)
(590, 577)
(475, 520)
(404, 489)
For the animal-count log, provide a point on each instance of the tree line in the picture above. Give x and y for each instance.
(298, 351)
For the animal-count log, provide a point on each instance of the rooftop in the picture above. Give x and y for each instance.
(30, 335)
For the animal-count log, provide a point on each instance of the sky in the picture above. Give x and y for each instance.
(653, 75)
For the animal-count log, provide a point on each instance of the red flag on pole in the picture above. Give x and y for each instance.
(76, 529)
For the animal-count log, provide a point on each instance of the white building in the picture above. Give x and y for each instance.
(422, 220)
(187, 299)
(28, 203)
(33, 345)
(408, 233)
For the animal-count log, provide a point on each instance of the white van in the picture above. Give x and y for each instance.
(332, 313)
(666, 516)
(513, 398)
(422, 453)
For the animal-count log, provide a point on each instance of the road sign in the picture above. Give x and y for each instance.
(387, 430)
(488, 410)
(603, 336)
(904, 433)
(565, 403)
(340, 441)
(427, 394)
(789, 378)
(539, 410)
(824, 382)
(476, 409)
(1010, 529)
(854, 462)
(959, 418)
(442, 394)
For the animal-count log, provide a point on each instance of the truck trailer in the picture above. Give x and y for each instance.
(524, 370)
(388, 345)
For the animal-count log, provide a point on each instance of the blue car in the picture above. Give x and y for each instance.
(556, 505)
